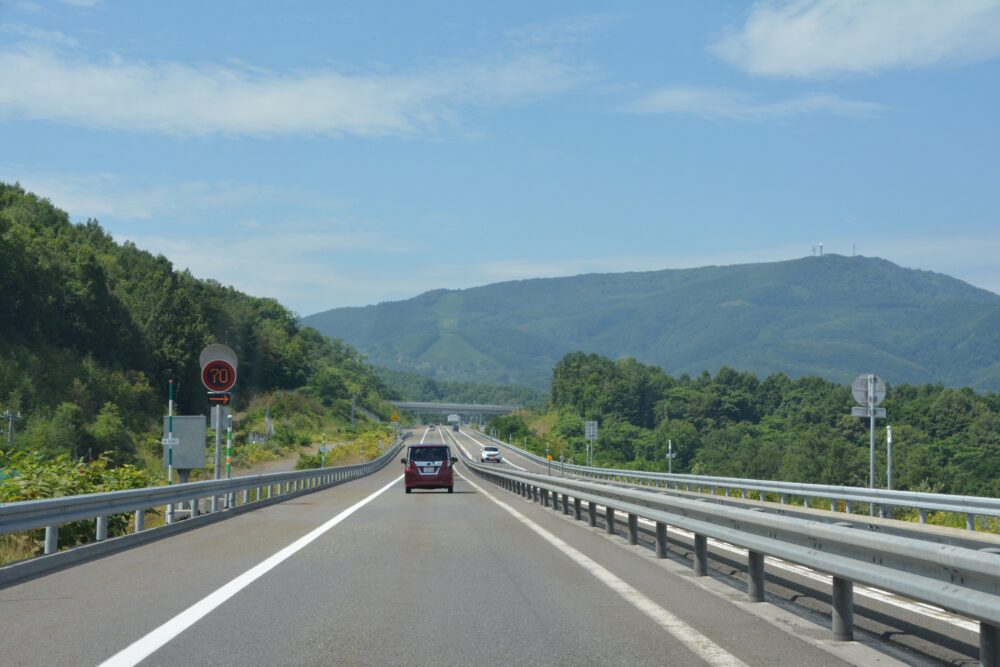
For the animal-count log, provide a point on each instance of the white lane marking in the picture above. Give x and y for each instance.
(146, 646)
(694, 640)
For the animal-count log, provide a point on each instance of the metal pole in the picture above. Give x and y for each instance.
(871, 431)
(170, 447)
(670, 456)
(888, 445)
(218, 442)
(229, 448)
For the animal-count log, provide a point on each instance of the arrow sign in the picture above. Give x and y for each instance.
(220, 398)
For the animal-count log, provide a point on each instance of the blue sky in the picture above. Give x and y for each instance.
(346, 153)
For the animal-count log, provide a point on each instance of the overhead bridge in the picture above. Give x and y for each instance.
(457, 408)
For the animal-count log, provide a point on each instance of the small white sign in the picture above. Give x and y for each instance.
(590, 430)
(863, 412)
(171, 442)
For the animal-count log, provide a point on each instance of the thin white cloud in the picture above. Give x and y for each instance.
(734, 105)
(41, 83)
(31, 34)
(824, 38)
(105, 195)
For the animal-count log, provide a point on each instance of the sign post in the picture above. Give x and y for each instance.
(869, 391)
(590, 433)
(218, 374)
(170, 441)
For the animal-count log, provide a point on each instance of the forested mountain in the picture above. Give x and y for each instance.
(734, 424)
(832, 316)
(91, 331)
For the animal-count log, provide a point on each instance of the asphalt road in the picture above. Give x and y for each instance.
(477, 577)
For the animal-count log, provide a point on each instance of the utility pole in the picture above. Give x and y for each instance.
(354, 399)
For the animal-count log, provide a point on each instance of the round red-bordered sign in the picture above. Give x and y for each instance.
(218, 375)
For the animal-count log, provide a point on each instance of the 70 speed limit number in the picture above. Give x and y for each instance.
(218, 375)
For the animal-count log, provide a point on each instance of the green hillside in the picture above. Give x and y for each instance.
(92, 331)
(830, 316)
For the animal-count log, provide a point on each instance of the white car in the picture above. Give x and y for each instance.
(490, 453)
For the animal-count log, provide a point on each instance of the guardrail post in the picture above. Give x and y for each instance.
(609, 521)
(661, 539)
(970, 521)
(843, 610)
(195, 507)
(51, 539)
(633, 529)
(783, 499)
(805, 502)
(591, 514)
(923, 515)
(755, 576)
(102, 528)
(577, 513)
(565, 504)
(140, 520)
(989, 645)
(848, 506)
(743, 492)
(700, 563)
(555, 500)
(246, 496)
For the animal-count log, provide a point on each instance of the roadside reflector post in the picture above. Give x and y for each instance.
(843, 610)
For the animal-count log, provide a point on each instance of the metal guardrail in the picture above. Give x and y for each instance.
(964, 581)
(180, 500)
(970, 506)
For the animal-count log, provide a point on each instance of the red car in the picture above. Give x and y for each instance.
(429, 467)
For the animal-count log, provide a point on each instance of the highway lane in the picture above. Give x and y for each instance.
(921, 632)
(428, 577)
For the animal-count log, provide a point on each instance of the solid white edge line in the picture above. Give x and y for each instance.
(892, 599)
(156, 639)
(695, 641)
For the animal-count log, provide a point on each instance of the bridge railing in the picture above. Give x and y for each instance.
(961, 580)
(848, 496)
(182, 505)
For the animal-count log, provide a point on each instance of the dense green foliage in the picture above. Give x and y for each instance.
(413, 387)
(832, 317)
(92, 331)
(734, 424)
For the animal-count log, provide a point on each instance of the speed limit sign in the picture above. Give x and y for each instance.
(218, 368)
(218, 375)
